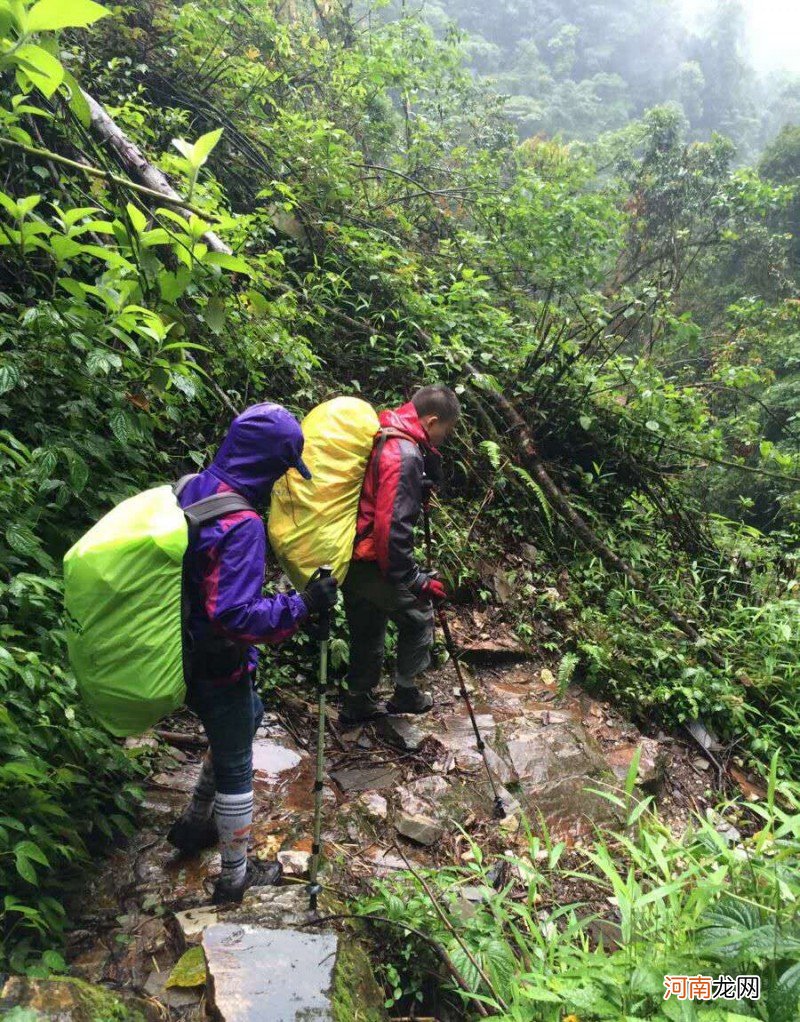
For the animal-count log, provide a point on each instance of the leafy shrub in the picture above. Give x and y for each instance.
(704, 903)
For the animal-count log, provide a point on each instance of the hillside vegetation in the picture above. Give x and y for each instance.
(621, 320)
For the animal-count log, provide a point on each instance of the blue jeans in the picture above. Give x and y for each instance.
(231, 715)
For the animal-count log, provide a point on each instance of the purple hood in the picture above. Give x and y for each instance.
(262, 443)
(226, 561)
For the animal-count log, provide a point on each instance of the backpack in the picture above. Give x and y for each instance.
(124, 596)
(313, 522)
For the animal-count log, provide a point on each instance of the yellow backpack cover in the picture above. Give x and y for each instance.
(313, 522)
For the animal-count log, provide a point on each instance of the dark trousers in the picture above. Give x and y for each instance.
(370, 602)
(231, 715)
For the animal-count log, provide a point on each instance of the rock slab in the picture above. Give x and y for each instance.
(281, 975)
(71, 1000)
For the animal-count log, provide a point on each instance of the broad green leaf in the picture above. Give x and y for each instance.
(22, 539)
(120, 425)
(137, 218)
(50, 15)
(228, 262)
(25, 869)
(77, 101)
(189, 970)
(31, 851)
(41, 67)
(186, 149)
(204, 146)
(9, 377)
(28, 204)
(78, 469)
(214, 314)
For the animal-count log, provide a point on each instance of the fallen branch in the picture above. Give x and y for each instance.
(134, 161)
(613, 562)
(86, 168)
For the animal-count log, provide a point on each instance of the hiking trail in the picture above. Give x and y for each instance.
(406, 788)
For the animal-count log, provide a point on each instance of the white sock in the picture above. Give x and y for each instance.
(202, 805)
(234, 817)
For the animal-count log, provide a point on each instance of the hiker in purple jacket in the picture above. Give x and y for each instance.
(228, 616)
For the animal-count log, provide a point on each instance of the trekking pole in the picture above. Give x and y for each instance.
(499, 812)
(324, 630)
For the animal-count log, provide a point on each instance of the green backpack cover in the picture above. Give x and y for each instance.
(123, 594)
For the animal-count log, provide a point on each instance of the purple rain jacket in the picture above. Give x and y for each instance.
(226, 563)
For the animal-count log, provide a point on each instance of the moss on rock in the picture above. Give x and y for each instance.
(356, 994)
(71, 1000)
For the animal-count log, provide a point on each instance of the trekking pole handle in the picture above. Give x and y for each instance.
(324, 571)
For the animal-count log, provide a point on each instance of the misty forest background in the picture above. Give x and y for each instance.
(583, 216)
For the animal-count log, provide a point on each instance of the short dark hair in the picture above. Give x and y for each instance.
(437, 400)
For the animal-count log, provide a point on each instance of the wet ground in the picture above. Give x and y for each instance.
(400, 790)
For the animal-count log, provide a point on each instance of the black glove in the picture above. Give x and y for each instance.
(321, 594)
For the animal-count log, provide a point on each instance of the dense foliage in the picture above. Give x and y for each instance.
(579, 69)
(705, 904)
(383, 226)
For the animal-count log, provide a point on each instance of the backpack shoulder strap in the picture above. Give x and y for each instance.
(180, 486)
(215, 506)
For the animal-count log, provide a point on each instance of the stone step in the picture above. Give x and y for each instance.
(281, 975)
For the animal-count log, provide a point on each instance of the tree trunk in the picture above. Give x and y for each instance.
(139, 168)
(527, 448)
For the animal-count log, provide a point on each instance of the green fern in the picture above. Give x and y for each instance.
(492, 452)
(537, 491)
(566, 669)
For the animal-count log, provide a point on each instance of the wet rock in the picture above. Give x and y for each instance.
(183, 779)
(250, 967)
(295, 863)
(430, 786)
(373, 805)
(427, 796)
(173, 997)
(193, 922)
(556, 765)
(499, 649)
(423, 830)
(456, 733)
(401, 732)
(90, 965)
(384, 862)
(549, 753)
(652, 763)
(272, 907)
(704, 738)
(270, 759)
(141, 742)
(72, 1000)
(372, 778)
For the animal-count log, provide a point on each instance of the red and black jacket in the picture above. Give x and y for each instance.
(393, 493)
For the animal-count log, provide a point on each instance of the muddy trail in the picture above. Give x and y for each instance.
(407, 790)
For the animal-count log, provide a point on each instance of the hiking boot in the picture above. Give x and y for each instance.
(192, 836)
(360, 708)
(409, 699)
(257, 874)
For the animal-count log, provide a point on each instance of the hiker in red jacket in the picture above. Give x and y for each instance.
(384, 581)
